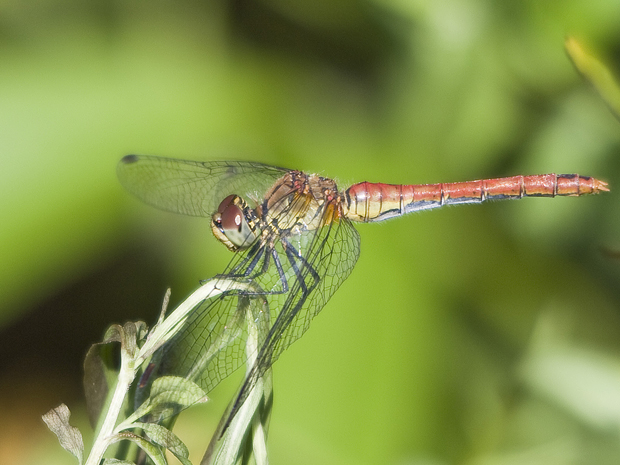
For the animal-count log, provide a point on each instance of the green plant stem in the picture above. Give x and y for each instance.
(161, 332)
(126, 376)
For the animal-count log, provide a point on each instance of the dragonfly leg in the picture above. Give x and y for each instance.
(278, 265)
(253, 257)
(264, 268)
(253, 271)
(294, 257)
(254, 254)
(258, 255)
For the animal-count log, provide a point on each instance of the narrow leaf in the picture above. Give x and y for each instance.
(164, 306)
(245, 439)
(144, 409)
(129, 339)
(70, 438)
(166, 438)
(166, 391)
(117, 462)
(169, 395)
(99, 374)
(596, 73)
(100, 370)
(154, 452)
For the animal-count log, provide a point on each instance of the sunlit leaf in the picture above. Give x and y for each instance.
(245, 439)
(596, 73)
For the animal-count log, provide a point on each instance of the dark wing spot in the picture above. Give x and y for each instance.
(129, 159)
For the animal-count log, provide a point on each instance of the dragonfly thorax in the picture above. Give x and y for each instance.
(235, 224)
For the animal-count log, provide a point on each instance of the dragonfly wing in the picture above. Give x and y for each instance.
(329, 254)
(191, 187)
(280, 284)
(213, 341)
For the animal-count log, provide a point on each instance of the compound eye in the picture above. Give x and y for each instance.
(231, 218)
(230, 200)
(230, 225)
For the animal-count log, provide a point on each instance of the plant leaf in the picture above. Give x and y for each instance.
(166, 438)
(99, 374)
(165, 391)
(129, 337)
(171, 394)
(117, 462)
(100, 371)
(154, 452)
(178, 390)
(596, 73)
(70, 438)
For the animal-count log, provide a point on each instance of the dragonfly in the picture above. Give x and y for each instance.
(294, 244)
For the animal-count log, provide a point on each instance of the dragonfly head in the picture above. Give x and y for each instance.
(234, 224)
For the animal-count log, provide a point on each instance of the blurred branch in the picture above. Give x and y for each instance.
(595, 72)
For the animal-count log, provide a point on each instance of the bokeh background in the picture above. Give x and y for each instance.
(479, 334)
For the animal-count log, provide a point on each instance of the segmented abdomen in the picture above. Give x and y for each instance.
(376, 202)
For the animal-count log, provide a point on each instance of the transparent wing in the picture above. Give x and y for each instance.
(329, 256)
(191, 187)
(292, 282)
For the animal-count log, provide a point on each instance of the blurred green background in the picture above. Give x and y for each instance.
(480, 334)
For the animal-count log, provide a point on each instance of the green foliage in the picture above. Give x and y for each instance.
(427, 351)
(167, 395)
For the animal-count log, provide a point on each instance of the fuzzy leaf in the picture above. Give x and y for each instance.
(70, 438)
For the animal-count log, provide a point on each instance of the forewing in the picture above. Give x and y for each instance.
(191, 187)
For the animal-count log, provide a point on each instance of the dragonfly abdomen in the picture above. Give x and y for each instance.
(368, 202)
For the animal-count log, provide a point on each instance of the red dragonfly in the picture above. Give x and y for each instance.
(294, 242)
